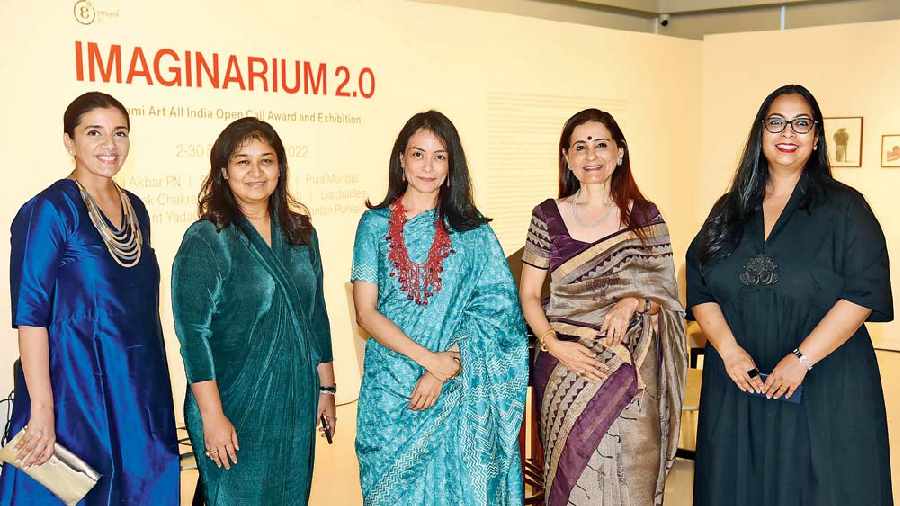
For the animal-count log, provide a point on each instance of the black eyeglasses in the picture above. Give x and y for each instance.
(777, 124)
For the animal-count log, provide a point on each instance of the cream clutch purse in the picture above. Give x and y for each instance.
(66, 475)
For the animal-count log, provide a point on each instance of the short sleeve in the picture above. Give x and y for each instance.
(866, 267)
(38, 236)
(365, 250)
(319, 323)
(196, 289)
(698, 291)
(537, 242)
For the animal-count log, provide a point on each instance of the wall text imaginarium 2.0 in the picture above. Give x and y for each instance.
(196, 69)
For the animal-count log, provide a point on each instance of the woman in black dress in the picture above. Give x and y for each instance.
(781, 278)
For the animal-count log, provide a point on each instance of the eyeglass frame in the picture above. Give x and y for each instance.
(789, 122)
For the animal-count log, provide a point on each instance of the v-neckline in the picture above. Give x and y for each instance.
(565, 227)
(259, 236)
(786, 212)
(116, 230)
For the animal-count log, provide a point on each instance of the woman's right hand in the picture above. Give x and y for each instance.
(220, 439)
(575, 356)
(738, 364)
(443, 365)
(36, 446)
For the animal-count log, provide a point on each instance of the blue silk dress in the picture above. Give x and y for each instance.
(463, 450)
(111, 389)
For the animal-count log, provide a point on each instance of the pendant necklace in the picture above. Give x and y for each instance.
(125, 244)
(418, 281)
(610, 206)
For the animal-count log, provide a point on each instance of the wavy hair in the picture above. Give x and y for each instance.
(455, 203)
(722, 230)
(216, 202)
(623, 188)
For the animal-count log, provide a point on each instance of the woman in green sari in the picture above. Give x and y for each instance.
(250, 315)
(446, 369)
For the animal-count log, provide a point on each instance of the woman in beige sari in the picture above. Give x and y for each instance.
(610, 375)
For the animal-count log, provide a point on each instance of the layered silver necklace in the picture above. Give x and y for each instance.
(124, 245)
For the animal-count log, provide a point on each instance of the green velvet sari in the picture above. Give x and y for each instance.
(252, 317)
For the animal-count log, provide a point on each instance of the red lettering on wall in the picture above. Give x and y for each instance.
(174, 70)
(309, 84)
(170, 67)
(252, 74)
(113, 62)
(233, 74)
(138, 67)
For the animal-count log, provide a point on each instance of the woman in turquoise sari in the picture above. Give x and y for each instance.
(446, 369)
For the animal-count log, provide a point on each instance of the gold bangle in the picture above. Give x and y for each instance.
(544, 335)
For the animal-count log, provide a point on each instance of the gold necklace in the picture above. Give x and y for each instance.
(611, 206)
(125, 245)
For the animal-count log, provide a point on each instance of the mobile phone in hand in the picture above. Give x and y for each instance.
(327, 427)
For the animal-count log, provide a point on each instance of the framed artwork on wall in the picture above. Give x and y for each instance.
(844, 138)
(890, 150)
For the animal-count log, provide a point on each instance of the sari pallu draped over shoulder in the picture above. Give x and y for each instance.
(578, 415)
(252, 317)
(464, 449)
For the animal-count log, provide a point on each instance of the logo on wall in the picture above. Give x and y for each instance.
(84, 12)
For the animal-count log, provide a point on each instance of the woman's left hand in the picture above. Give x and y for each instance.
(426, 392)
(616, 321)
(785, 378)
(326, 407)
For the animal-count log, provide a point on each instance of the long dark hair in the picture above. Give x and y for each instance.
(722, 230)
(455, 203)
(87, 102)
(623, 188)
(217, 204)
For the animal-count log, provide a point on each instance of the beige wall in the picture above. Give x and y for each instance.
(508, 83)
(852, 72)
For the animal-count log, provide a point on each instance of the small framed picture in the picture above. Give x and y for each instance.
(890, 150)
(844, 138)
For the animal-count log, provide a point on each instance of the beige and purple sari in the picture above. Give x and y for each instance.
(609, 442)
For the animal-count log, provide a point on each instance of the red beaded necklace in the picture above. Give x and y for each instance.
(418, 281)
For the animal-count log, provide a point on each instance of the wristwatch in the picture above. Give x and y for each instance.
(802, 358)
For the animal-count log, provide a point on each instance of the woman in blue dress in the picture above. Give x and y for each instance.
(446, 369)
(85, 292)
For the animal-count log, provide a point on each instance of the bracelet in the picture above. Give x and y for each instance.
(329, 389)
(802, 358)
(327, 392)
(544, 335)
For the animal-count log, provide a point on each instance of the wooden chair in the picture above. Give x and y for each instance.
(693, 383)
(532, 464)
(189, 462)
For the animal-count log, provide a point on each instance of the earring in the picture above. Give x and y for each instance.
(224, 174)
(620, 163)
(447, 180)
(403, 176)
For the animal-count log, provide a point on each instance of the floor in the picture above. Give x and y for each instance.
(336, 481)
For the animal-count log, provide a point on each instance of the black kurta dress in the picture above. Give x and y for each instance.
(831, 449)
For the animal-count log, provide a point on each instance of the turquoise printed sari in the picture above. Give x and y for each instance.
(464, 449)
